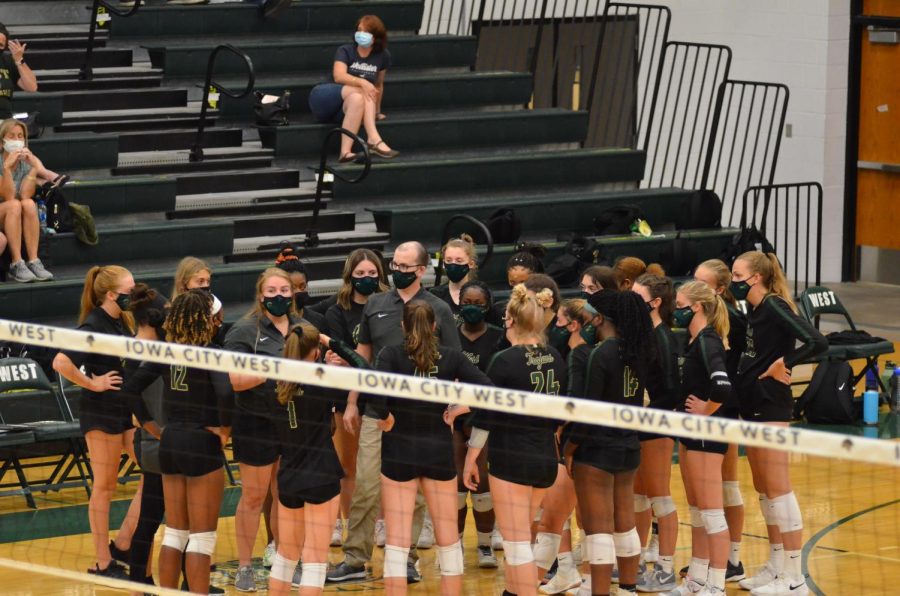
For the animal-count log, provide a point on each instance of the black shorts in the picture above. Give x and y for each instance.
(705, 446)
(407, 457)
(608, 459)
(109, 418)
(767, 400)
(295, 498)
(189, 451)
(254, 439)
(645, 436)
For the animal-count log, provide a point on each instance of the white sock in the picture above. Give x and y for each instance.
(792, 564)
(484, 538)
(566, 561)
(735, 557)
(666, 563)
(716, 578)
(698, 570)
(776, 558)
(643, 555)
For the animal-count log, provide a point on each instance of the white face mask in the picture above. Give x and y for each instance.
(10, 145)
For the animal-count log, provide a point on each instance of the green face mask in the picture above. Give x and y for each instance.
(589, 334)
(456, 272)
(278, 306)
(682, 317)
(123, 301)
(740, 289)
(365, 285)
(559, 336)
(472, 313)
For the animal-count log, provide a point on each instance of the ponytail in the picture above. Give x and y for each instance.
(97, 282)
(769, 269)
(421, 343)
(712, 304)
(719, 319)
(302, 339)
(87, 294)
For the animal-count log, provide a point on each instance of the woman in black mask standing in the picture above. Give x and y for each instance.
(260, 331)
(288, 261)
(460, 263)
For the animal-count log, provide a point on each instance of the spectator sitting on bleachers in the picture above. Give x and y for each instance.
(18, 212)
(13, 72)
(358, 88)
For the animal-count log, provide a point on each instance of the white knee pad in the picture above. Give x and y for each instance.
(282, 569)
(787, 513)
(600, 549)
(662, 506)
(461, 500)
(546, 547)
(517, 553)
(203, 543)
(696, 518)
(482, 502)
(313, 575)
(451, 559)
(395, 558)
(766, 509)
(641, 503)
(731, 493)
(714, 520)
(539, 515)
(628, 544)
(176, 539)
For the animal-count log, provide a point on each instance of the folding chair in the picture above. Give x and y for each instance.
(819, 300)
(12, 438)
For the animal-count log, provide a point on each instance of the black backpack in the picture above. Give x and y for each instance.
(504, 226)
(273, 113)
(617, 220)
(700, 210)
(744, 241)
(829, 397)
(59, 213)
(579, 252)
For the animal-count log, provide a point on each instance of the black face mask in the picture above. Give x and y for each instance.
(300, 299)
(472, 313)
(123, 301)
(456, 272)
(585, 295)
(278, 306)
(403, 280)
(365, 285)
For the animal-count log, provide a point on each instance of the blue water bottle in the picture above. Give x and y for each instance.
(870, 407)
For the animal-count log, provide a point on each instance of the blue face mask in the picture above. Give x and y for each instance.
(363, 39)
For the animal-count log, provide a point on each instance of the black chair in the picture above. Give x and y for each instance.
(816, 301)
(12, 439)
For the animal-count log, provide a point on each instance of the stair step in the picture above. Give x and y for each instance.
(65, 153)
(51, 37)
(166, 162)
(289, 224)
(122, 99)
(297, 55)
(331, 243)
(109, 84)
(477, 172)
(242, 18)
(119, 195)
(48, 105)
(70, 58)
(161, 140)
(135, 120)
(111, 76)
(236, 180)
(241, 202)
(459, 129)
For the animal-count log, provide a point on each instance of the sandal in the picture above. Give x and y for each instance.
(385, 153)
(350, 157)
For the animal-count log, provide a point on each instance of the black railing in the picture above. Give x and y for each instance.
(448, 232)
(790, 217)
(197, 149)
(87, 70)
(312, 234)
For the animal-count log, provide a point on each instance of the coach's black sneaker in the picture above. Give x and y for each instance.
(343, 572)
(113, 570)
(735, 573)
(122, 556)
(412, 572)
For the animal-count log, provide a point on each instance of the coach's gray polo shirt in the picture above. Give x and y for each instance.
(380, 325)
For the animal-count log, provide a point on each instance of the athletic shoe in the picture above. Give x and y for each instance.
(687, 588)
(551, 573)
(585, 589)
(657, 580)
(380, 536)
(496, 539)
(118, 554)
(298, 571)
(269, 555)
(782, 587)
(426, 537)
(764, 576)
(337, 535)
(412, 572)
(245, 579)
(40, 273)
(711, 591)
(652, 554)
(486, 557)
(21, 273)
(343, 572)
(565, 579)
(113, 570)
(735, 573)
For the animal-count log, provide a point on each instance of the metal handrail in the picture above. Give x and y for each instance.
(87, 71)
(445, 237)
(197, 149)
(312, 234)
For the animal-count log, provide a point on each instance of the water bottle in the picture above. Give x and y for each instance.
(887, 374)
(42, 215)
(870, 407)
(872, 377)
(894, 387)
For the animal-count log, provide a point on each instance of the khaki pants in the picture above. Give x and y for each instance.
(367, 497)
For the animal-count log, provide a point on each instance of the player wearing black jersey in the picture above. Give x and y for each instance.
(309, 471)
(197, 405)
(363, 276)
(705, 386)
(417, 449)
(522, 451)
(460, 264)
(479, 341)
(717, 276)
(603, 460)
(652, 491)
(764, 390)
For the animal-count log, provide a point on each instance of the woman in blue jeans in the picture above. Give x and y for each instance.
(354, 98)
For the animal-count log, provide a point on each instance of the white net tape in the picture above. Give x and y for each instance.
(476, 396)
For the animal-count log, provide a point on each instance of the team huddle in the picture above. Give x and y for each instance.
(329, 468)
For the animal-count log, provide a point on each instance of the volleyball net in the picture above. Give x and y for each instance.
(848, 485)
